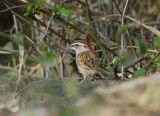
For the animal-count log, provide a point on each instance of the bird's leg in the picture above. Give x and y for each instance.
(83, 79)
(94, 78)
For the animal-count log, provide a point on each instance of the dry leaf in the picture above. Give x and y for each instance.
(90, 41)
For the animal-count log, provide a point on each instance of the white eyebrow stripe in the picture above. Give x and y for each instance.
(78, 43)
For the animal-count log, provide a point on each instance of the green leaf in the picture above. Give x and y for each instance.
(54, 8)
(8, 47)
(64, 6)
(115, 61)
(28, 8)
(68, 31)
(121, 30)
(111, 70)
(141, 44)
(37, 2)
(157, 64)
(18, 38)
(112, 44)
(49, 59)
(42, 45)
(156, 42)
(64, 12)
(36, 5)
(32, 7)
(99, 59)
(26, 14)
(12, 73)
(71, 19)
(125, 56)
(30, 58)
(139, 73)
(150, 54)
(45, 3)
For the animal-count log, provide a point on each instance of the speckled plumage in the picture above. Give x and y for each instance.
(86, 59)
(87, 63)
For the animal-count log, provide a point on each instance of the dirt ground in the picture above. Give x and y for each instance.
(139, 97)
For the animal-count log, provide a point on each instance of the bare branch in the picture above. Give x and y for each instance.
(14, 7)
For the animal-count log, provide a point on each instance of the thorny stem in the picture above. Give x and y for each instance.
(93, 33)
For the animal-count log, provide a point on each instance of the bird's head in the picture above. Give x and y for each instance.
(79, 47)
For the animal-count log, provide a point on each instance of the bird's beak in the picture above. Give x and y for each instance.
(71, 47)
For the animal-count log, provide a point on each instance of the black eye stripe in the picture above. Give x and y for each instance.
(76, 45)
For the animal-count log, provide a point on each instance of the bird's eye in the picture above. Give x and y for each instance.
(85, 46)
(76, 45)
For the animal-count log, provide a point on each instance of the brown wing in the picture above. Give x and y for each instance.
(87, 60)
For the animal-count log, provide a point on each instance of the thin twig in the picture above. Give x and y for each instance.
(63, 2)
(149, 50)
(43, 24)
(40, 31)
(103, 16)
(51, 29)
(33, 44)
(134, 62)
(138, 23)
(93, 33)
(46, 32)
(16, 70)
(14, 7)
(5, 52)
(136, 29)
(122, 37)
(114, 48)
(151, 61)
(21, 50)
(7, 68)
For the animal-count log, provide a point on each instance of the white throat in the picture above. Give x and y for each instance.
(82, 50)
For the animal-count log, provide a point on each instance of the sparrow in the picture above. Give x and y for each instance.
(86, 59)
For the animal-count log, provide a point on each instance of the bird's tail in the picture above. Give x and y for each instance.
(102, 73)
